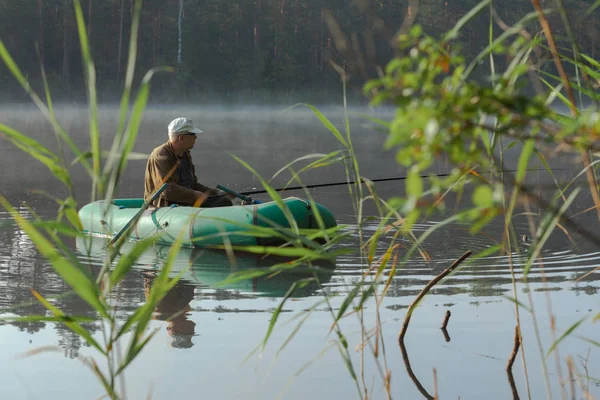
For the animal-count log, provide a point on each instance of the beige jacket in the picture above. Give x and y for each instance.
(163, 167)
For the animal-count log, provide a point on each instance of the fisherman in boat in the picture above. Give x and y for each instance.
(171, 162)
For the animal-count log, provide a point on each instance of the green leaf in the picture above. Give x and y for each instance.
(127, 260)
(556, 91)
(414, 183)
(347, 361)
(483, 196)
(348, 300)
(564, 335)
(524, 160)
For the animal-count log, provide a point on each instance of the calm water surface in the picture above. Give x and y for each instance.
(202, 352)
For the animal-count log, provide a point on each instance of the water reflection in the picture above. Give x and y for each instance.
(203, 273)
(560, 262)
(174, 308)
(23, 270)
(209, 268)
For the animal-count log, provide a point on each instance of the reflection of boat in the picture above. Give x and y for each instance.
(204, 226)
(211, 267)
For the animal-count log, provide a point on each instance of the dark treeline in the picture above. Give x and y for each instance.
(233, 47)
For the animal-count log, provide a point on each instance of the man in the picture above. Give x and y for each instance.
(172, 163)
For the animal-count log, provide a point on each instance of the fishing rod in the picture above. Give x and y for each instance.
(332, 184)
(398, 178)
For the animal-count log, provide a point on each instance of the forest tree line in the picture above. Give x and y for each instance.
(233, 46)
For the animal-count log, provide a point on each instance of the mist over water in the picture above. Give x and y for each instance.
(203, 350)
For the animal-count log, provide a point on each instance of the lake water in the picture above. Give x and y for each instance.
(207, 350)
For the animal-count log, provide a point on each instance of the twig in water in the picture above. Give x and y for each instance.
(411, 374)
(435, 386)
(446, 319)
(426, 289)
(446, 336)
(511, 360)
(513, 387)
(444, 324)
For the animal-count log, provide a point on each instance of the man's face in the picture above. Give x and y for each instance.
(188, 140)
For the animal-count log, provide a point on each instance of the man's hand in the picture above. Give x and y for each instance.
(200, 197)
(219, 192)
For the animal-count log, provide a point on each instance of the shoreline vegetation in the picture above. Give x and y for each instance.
(443, 110)
(281, 49)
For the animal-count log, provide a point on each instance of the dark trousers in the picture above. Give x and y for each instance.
(217, 201)
(211, 201)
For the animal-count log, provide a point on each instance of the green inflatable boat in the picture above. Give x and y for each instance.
(235, 225)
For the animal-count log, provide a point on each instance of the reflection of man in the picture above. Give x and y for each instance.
(174, 308)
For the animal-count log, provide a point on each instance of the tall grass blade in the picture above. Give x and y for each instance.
(90, 77)
(132, 130)
(277, 311)
(127, 260)
(133, 42)
(564, 335)
(296, 329)
(272, 193)
(70, 322)
(499, 40)
(14, 69)
(109, 389)
(592, 7)
(546, 229)
(524, 158)
(465, 19)
(322, 161)
(518, 303)
(160, 287)
(347, 301)
(37, 151)
(326, 122)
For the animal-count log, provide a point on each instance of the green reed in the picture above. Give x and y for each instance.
(442, 113)
(100, 291)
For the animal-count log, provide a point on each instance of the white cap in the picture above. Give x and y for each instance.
(183, 125)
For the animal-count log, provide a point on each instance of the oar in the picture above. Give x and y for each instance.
(137, 215)
(247, 199)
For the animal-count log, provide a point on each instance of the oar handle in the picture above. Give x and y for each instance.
(137, 215)
(247, 199)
